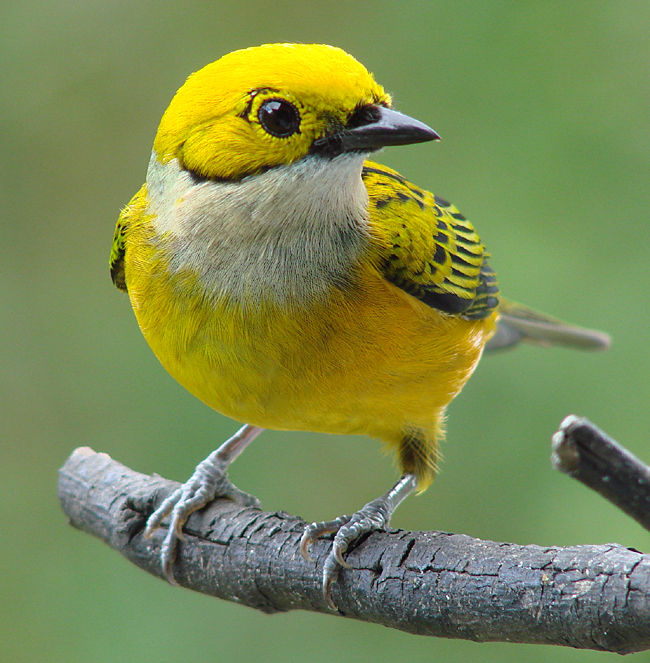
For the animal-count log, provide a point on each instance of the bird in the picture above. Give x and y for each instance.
(291, 283)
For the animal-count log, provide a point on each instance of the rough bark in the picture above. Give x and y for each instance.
(428, 583)
(586, 453)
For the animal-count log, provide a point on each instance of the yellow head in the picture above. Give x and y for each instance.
(269, 106)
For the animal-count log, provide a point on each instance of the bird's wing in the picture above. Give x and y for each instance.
(133, 213)
(427, 247)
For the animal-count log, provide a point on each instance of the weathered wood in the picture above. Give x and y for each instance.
(586, 453)
(429, 583)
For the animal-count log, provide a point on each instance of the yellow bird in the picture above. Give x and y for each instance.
(290, 283)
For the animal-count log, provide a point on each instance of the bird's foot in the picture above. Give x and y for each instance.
(209, 480)
(373, 516)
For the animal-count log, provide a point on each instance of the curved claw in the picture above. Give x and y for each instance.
(350, 528)
(314, 531)
(330, 575)
(373, 516)
(305, 543)
(207, 482)
(337, 551)
(155, 519)
(180, 504)
(168, 555)
(199, 491)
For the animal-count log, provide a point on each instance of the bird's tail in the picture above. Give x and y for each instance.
(518, 323)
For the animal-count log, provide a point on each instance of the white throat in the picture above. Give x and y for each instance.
(288, 234)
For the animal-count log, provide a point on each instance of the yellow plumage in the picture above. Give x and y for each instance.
(367, 358)
(288, 282)
(204, 120)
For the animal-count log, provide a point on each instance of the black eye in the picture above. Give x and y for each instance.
(279, 118)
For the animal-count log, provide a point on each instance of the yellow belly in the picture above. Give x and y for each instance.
(370, 360)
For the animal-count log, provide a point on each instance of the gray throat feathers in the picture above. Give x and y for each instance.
(287, 235)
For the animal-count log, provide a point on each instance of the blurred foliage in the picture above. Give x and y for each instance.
(544, 109)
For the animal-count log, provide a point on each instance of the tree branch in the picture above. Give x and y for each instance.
(428, 583)
(586, 453)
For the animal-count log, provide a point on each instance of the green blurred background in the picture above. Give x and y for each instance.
(544, 109)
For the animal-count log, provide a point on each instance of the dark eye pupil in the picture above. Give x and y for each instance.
(279, 118)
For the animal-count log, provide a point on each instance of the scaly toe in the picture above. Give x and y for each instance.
(156, 518)
(202, 487)
(314, 531)
(373, 516)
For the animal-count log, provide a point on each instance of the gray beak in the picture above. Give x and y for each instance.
(380, 128)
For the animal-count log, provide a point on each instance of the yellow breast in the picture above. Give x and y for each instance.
(365, 358)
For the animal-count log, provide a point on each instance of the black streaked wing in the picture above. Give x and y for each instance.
(428, 247)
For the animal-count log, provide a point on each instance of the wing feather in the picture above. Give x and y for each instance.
(428, 248)
(131, 214)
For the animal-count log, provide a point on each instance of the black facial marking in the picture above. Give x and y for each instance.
(362, 115)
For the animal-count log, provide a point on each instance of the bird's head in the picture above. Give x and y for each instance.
(272, 105)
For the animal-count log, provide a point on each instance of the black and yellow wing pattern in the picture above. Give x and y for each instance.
(133, 213)
(430, 250)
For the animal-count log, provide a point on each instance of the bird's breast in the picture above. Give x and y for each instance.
(288, 235)
(287, 323)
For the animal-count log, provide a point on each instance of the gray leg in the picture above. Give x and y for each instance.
(374, 515)
(210, 480)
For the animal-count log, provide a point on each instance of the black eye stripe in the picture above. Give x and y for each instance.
(279, 117)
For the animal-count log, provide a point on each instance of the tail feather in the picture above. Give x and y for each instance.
(518, 323)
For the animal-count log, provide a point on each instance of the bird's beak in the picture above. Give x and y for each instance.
(382, 128)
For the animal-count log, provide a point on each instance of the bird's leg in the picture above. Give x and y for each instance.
(210, 480)
(374, 515)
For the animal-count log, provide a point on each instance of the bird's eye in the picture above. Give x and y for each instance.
(279, 118)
